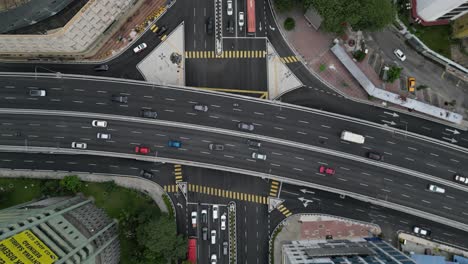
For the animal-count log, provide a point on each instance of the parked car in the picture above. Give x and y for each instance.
(99, 123)
(229, 7)
(200, 108)
(223, 222)
(374, 156)
(160, 31)
(258, 156)
(194, 219)
(174, 144)
(215, 212)
(204, 216)
(326, 170)
(421, 231)
(225, 248)
(460, 179)
(241, 19)
(209, 26)
(102, 67)
(119, 99)
(142, 150)
(230, 26)
(205, 233)
(245, 126)
(435, 188)
(411, 84)
(146, 174)
(254, 143)
(400, 55)
(140, 47)
(148, 114)
(217, 147)
(103, 136)
(79, 145)
(37, 92)
(213, 237)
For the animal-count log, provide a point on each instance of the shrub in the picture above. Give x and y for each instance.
(289, 23)
(359, 55)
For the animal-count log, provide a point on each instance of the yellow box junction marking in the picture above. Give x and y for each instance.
(284, 210)
(25, 247)
(178, 172)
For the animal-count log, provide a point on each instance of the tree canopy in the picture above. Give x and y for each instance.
(71, 183)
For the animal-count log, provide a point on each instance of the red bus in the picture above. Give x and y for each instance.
(251, 16)
(192, 250)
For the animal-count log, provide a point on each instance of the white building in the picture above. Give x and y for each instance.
(434, 10)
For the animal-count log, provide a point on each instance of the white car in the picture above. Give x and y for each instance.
(258, 156)
(241, 19)
(103, 136)
(400, 55)
(215, 212)
(79, 145)
(229, 7)
(204, 215)
(140, 47)
(213, 237)
(99, 123)
(461, 179)
(223, 222)
(421, 231)
(37, 92)
(435, 188)
(213, 259)
(194, 219)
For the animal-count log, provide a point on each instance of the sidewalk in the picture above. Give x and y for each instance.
(152, 189)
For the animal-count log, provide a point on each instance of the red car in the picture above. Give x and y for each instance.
(329, 171)
(142, 150)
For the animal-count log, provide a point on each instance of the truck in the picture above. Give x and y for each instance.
(192, 250)
(352, 137)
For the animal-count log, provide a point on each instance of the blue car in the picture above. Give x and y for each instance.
(175, 144)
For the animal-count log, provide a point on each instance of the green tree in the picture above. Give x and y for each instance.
(284, 5)
(367, 15)
(159, 240)
(289, 23)
(394, 74)
(71, 183)
(359, 55)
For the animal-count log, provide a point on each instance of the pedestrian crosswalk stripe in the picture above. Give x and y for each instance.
(222, 193)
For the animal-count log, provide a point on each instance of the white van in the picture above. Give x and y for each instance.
(352, 137)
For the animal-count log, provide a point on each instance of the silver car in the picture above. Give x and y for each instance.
(37, 93)
(99, 123)
(245, 126)
(103, 136)
(241, 19)
(79, 145)
(200, 108)
(258, 156)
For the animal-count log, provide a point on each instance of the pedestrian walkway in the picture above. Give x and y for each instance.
(178, 173)
(274, 188)
(229, 54)
(284, 210)
(247, 197)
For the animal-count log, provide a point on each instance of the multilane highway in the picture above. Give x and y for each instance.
(288, 162)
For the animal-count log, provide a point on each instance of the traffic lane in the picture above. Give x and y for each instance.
(257, 233)
(298, 135)
(204, 244)
(333, 204)
(298, 166)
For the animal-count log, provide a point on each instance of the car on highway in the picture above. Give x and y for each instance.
(229, 7)
(326, 170)
(146, 174)
(174, 144)
(102, 67)
(79, 145)
(374, 156)
(194, 219)
(421, 231)
(103, 136)
(225, 248)
(209, 26)
(119, 99)
(241, 19)
(223, 222)
(411, 84)
(217, 147)
(460, 179)
(254, 143)
(213, 237)
(99, 123)
(215, 212)
(142, 150)
(204, 216)
(435, 188)
(200, 108)
(37, 92)
(148, 114)
(399, 54)
(245, 126)
(258, 156)
(213, 259)
(140, 47)
(205, 233)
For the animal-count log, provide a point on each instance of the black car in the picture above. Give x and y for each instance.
(217, 147)
(161, 31)
(209, 26)
(148, 114)
(230, 26)
(374, 156)
(146, 174)
(254, 143)
(102, 67)
(120, 99)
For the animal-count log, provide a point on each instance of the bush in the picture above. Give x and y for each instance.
(322, 67)
(394, 74)
(421, 87)
(359, 55)
(289, 23)
(169, 206)
(71, 183)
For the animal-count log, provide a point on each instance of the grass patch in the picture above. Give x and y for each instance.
(273, 238)
(169, 205)
(19, 190)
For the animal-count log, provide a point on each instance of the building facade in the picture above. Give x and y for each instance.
(351, 251)
(58, 230)
(440, 10)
